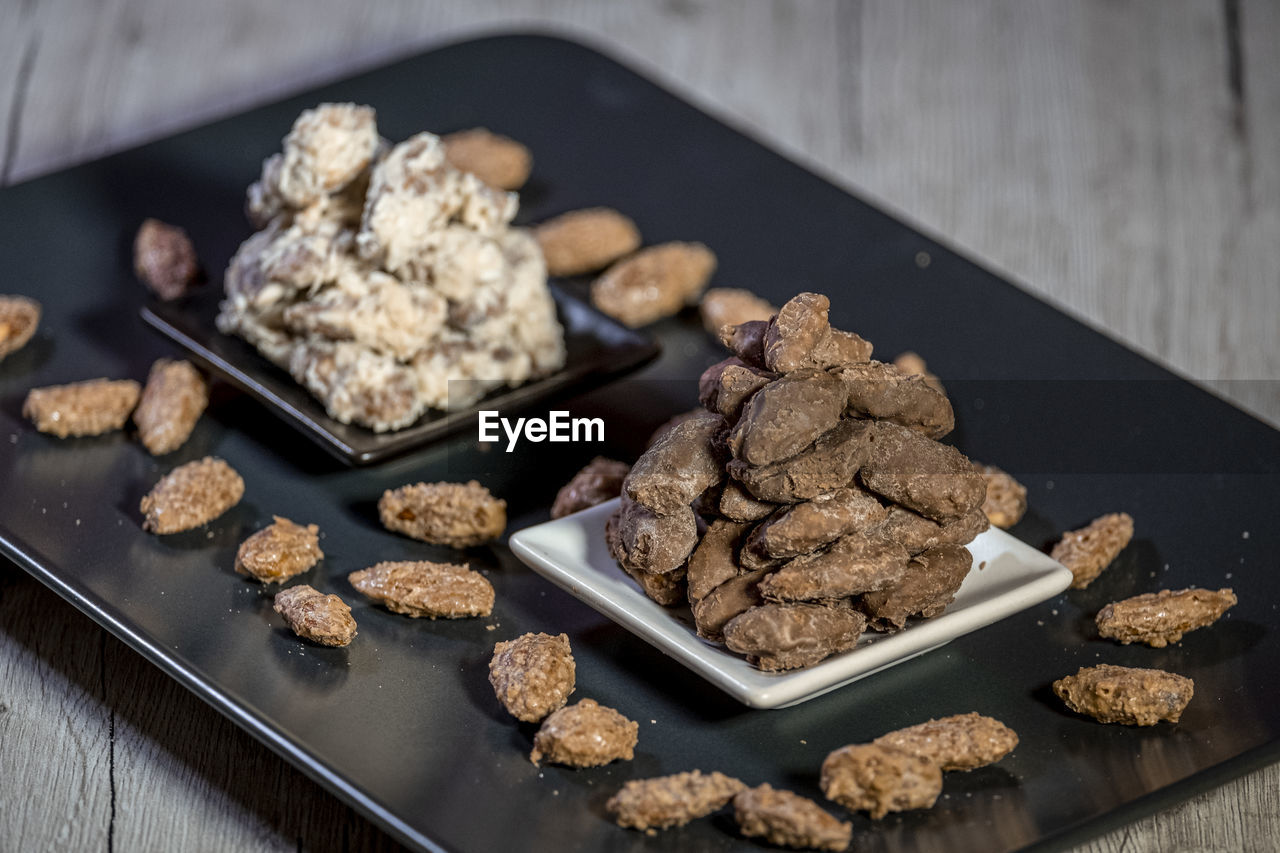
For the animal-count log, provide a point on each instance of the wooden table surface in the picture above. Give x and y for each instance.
(1120, 159)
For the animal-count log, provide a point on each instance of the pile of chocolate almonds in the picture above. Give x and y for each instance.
(810, 501)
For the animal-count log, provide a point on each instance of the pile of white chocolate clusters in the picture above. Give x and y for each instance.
(381, 272)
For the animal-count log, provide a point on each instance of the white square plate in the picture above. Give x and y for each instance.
(571, 553)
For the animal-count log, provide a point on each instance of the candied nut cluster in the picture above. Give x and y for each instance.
(600, 481)
(787, 819)
(903, 769)
(82, 408)
(455, 514)
(19, 317)
(172, 401)
(960, 742)
(191, 495)
(426, 589)
(164, 259)
(809, 499)
(1128, 695)
(1006, 501)
(667, 801)
(879, 779)
(279, 551)
(585, 735)
(382, 272)
(1089, 550)
(1160, 618)
(583, 241)
(314, 616)
(729, 306)
(532, 675)
(653, 283)
(497, 160)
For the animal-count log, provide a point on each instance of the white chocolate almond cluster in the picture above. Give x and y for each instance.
(381, 272)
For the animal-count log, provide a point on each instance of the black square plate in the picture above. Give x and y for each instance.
(403, 723)
(597, 349)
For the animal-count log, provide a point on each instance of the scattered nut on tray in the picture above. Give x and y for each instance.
(460, 515)
(1006, 501)
(653, 283)
(959, 742)
(809, 499)
(532, 675)
(788, 820)
(1089, 550)
(666, 801)
(1128, 695)
(19, 318)
(586, 734)
(279, 551)
(1160, 618)
(497, 160)
(912, 364)
(384, 279)
(729, 306)
(191, 495)
(583, 241)
(164, 259)
(426, 589)
(82, 408)
(600, 481)
(880, 779)
(172, 401)
(314, 616)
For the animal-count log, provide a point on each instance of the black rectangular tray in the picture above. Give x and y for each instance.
(403, 724)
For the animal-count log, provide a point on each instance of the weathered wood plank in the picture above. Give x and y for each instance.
(187, 778)
(55, 730)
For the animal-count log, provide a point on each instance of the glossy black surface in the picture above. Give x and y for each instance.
(597, 349)
(403, 722)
